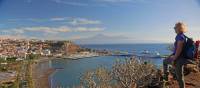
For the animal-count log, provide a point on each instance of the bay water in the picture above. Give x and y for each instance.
(72, 70)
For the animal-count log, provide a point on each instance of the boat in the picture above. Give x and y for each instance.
(145, 52)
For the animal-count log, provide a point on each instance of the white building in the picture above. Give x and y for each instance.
(46, 52)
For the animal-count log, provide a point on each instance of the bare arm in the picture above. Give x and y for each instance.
(179, 49)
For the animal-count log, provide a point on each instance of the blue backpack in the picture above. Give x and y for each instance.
(189, 48)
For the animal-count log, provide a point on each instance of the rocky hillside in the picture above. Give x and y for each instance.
(192, 81)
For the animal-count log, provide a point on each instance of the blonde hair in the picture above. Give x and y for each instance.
(181, 27)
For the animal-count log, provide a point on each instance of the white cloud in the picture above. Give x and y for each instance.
(13, 37)
(84, 29)
(76, 21)
(18, 31)
(52, 33)
(123, 1)
(70, 20)
(52, 30)
(74, 25)
(27, 19)
(59, 19)
(38, 29)
(70, 3)
(116, 0)
(83, 21)
(95, 3)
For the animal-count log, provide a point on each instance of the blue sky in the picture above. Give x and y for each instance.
(98, 21)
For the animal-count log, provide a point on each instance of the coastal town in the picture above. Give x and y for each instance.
(20, 58)
(17, 57)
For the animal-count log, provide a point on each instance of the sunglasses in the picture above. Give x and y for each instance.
(175, 27)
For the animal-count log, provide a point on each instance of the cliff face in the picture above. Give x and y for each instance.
(71, 48)
(64, 47)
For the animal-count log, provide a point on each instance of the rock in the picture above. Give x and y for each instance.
(191, 68)
(192, 80)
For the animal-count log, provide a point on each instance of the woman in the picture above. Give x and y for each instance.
(176, 58)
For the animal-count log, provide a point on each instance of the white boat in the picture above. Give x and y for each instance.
(145, 52)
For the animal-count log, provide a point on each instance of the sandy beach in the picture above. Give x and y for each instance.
(41, 72)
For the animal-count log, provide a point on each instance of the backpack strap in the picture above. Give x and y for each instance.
(186, 38)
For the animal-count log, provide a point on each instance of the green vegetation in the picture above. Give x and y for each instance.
(33, 56)
(8, 85)
(2, 67)
(20, 67)
(11, 59)
(2, 60)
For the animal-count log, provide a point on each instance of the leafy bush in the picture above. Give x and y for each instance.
(33, 56)
(11, 59)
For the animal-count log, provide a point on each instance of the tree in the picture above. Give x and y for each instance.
(11, 59)
(33, 56)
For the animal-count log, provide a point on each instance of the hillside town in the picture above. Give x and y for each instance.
(21, 48)
(17, 56)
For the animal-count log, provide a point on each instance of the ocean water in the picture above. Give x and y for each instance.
(73, 69)
(134, 48)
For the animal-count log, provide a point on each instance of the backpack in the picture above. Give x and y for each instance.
(189, 49)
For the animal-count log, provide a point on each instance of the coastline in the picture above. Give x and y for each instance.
(41, 74)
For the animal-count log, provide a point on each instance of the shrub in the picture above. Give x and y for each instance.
(33, 56)
(11, 59)
(131, 73)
